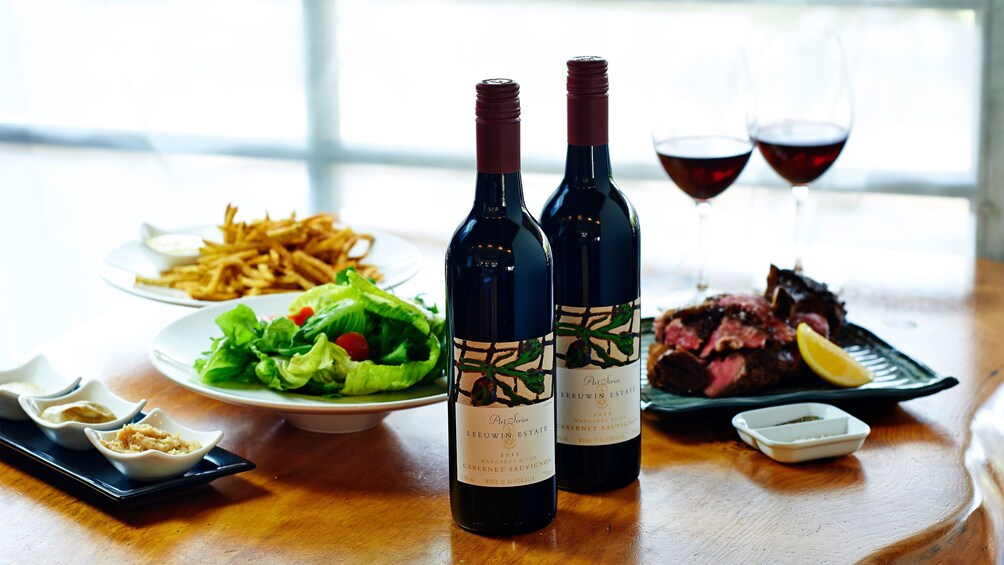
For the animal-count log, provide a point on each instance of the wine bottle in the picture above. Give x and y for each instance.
(595, 239)
(500, 316)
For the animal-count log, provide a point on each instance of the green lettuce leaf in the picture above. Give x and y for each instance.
(346, 315)
(370, 377)
(323, 296)
(324, 363)
(239, 325)
(227, 363)
(406, 339)
(278, 335)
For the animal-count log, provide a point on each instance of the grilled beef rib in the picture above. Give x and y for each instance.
(739, 344)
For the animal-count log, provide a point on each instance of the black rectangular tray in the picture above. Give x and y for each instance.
(90, 469)
(897, 377)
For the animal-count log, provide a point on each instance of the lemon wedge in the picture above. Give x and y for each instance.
(829, 360)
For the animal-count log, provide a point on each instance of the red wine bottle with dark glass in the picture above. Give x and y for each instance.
(595, 239)
(501, 329)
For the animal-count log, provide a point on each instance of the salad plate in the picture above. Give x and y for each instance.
(395, 257)
(897, 377)
(174, 350)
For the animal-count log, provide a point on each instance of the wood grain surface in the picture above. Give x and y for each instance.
(380, 496)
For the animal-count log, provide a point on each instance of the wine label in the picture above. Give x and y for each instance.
(504, 394)
(598, 374)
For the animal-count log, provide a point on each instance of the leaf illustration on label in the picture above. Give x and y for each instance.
(534, 380)
(517, 373)
(624, 342)
(529, 350)
(483, 392)
(598, 336)
(572, 330)
(621, 315)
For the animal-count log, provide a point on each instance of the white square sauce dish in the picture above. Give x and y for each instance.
(69, 433)
(137, 454)
(37, 378)
(793, 433)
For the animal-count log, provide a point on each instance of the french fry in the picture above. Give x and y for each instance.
(268, 256)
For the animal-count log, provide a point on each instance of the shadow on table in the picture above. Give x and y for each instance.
(884, 417)
(170, 505)
(710, 440)
(392, 458)
(601, 527)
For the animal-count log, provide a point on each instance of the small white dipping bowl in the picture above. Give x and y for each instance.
(166, 249)
(829, 431)
(153, 465)
(71, 434)
(37, 371)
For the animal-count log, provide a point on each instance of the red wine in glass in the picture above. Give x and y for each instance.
(703, 167)
(800, 151)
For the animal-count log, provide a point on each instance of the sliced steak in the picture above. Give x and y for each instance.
(734, 334)
(740, 344)
(727, 376)
(677, 370)
(791, 294)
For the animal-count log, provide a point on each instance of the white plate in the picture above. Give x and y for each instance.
(396, 258)
(176, 347)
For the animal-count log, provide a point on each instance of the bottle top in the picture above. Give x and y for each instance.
(587, 86)
(498, 101)
(497, 118)
(587, 77)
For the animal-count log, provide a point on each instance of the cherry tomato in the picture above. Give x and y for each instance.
(355, 345)
(300, 317)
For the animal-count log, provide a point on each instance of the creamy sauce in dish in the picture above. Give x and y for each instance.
(83, 411)
(137, 438)
(175, 244)
(22, 388)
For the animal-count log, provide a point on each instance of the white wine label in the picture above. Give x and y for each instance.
(505, 447)
(599, 406)
(504, 398)
(599, 374)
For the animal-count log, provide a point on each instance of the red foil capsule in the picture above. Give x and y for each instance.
(497, 118)
(587, 101)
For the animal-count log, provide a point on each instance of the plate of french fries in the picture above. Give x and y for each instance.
(239, 259)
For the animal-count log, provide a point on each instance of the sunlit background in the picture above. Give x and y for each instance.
(117, 112)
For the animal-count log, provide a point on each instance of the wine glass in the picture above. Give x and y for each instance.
(699, 129)
(801, 111)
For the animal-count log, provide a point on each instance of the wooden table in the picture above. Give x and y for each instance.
(703, 496)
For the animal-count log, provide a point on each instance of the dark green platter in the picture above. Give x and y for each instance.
(898, 377)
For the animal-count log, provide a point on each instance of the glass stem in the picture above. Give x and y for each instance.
(801, 194)
(703, 209)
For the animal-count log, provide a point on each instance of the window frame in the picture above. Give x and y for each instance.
(322, 147)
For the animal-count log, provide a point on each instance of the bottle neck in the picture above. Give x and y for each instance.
(588, 166)
(499, 195)
(588, 162)
(588, 120)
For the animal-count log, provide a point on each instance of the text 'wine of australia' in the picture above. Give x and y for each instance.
(501, 330)
(595, 238)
